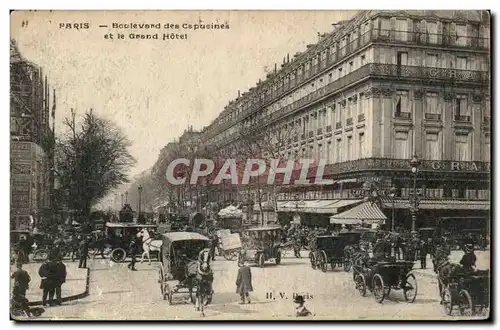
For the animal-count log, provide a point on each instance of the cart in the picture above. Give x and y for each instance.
(470, 293)
(177, 273)
(119, 236)
(352, 239)
(383, 276)
(327, 250)
(260, 245)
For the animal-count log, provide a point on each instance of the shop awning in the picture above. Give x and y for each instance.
(443, 204)
(331, 206)
(367, 213)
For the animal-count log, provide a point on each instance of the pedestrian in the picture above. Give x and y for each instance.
(47, 284)
(398, 246)
(300, 308)
(244, 282)
(84, 251)
(468, 260)
(21, 281)
(424, 249)
(133, 250)
(59, 279)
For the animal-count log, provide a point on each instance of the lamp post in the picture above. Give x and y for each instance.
(139, 206)
(392, 195)
(414, 201)
(126, 197)
(122, 200)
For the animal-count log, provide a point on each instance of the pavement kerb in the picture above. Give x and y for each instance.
(73, 297)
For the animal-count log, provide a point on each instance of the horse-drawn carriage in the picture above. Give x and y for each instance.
(382, 276)
(180, 254)
(470, 292)
(119, 236)
(260, 245)
(351, 247)
(327, 250)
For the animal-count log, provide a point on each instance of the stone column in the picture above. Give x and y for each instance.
(418, 118)
(386, 138)
(477, 118)
(448, 133)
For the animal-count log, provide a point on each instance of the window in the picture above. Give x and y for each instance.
(461, 108)
(338, 153)
(402, 145)
(361, 146)
(432, 30)
(432, 105)
(461, 31)
(343, 46)
(463, 147)
(487, 148)
(340, 72)
(365, 28)
(401, 29)
(349, 108)
(432, 60)
(402, 105)
(462, 63)
(433, 150)
(402, 58)
(385, 27)
(349, 148)
(350, 67)
(362, 60)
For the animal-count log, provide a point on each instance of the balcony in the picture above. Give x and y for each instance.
(311, 134)
(320, 131)
(432, 116)
(328, 128)
(361, 117)
(423, 38)
(348, 122)
(371, 70)
(402, 115)
(462, 118)
(338, 125)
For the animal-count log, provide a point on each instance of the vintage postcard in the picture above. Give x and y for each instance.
(250, 165)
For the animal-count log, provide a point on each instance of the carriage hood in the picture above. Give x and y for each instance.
(182, 236)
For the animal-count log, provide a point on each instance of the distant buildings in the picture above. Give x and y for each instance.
(31, 144)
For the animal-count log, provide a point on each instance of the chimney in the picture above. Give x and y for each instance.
(239, 94)
(275, 67)
(288, 58)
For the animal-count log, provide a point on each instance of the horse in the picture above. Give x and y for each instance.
(148, 244)
(204, 279)
(445, 270)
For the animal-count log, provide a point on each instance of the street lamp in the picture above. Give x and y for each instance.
(414, 164)
(122, 200)
(126, 197)
(139, 206)
(392, 195)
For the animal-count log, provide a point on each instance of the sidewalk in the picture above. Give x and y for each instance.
(483, 262)
(76, 286)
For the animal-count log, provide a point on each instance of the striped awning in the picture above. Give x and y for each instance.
(367, 213)
(331, 206)
(441, 204)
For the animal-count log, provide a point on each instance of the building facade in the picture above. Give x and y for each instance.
(31, 142)
(379, 89)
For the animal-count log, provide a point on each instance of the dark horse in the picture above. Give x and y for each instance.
(446, 271)
(204, 279)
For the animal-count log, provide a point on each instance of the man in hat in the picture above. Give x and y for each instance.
(21, 280)
(468, 260)
(300, 309)
(84, 252)
(46, 272)
(244, 282)
(133, 250)
(59, 279)
(424, 249)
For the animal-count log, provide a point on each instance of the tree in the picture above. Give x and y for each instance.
(91, 160)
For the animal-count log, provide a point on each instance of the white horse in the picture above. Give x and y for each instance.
(148, 244)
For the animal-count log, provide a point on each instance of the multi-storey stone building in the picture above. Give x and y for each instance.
(379, 89)
(31, 146)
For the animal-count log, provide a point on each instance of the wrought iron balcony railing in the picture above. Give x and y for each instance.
(462, 118)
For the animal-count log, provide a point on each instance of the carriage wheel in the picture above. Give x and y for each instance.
(410, 288)
(324, 262)
(465, 303)
(313, 260)
(40, 255)
(278, 257)
(118, 255)
(378, 288)
(360, 284)
(347, 261)
(161, 280)
(261, 260)
(447, 301)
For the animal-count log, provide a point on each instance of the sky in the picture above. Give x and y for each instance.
(154, 89)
